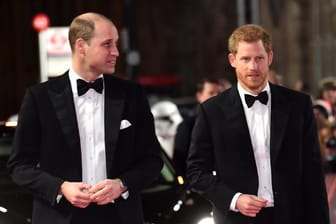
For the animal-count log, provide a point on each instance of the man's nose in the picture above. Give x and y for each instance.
(253, 65)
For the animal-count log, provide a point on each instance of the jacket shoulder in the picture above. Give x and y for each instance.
(124, 83)
(289, 93)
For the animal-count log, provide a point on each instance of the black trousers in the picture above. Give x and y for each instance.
(265, 216)
(95, 214)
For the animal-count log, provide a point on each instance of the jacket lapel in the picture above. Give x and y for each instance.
(114, 106)
(61, 98)
(236, 116)
(279, 120)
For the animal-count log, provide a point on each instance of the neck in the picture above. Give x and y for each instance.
(88, 76)
(254, 91)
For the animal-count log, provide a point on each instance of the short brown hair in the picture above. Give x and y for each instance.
(200, 84)
(328, 83)
(249, 33)
(83, 27)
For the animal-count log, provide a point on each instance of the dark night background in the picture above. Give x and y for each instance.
(180, 38)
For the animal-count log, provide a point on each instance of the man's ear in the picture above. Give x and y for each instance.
(232, 60)
(80, 46)
(270, 58)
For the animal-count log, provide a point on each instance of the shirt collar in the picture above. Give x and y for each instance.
(242, 92)
(73, 76)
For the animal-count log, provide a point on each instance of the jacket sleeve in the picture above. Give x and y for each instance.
(316, 211)
(200, 166)
(147, 161)
(23, 163)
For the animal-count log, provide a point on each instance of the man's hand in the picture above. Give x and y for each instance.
(76, 193)
(106, 191)
(250, 205)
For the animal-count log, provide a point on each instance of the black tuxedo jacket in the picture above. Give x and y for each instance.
(46, 149)
(221, 142)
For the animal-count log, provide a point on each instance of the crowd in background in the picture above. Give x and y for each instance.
(325, 111)
(176, 142)
(324, 105)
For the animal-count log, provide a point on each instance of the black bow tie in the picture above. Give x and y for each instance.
(262, 97)
(83, 87)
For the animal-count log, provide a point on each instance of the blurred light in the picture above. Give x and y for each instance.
(40, 22)
(3, 210)
(176, 207)
(214, 173)
(180, 180)
(11, 123)
(189, 202)
(207, 220)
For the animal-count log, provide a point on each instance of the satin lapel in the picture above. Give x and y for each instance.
(114, 106)
(236, 117)
(279, 120)
(61, 97)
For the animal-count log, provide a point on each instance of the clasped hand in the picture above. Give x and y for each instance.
(80, 194)
(250, 205)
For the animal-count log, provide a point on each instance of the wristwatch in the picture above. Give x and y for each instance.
(123, 185)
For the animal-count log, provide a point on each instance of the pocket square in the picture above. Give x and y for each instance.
(124, 124)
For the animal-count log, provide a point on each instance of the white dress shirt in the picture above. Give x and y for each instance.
(90, 119)
(258, 121)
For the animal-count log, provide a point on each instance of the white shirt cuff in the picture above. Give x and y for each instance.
(125, 195)
(234, 202)
(58, 198)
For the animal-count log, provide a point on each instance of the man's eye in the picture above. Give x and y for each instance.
(259, 59)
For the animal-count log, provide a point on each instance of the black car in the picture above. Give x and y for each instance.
(170, 201)
(167, 201)
(15, 202)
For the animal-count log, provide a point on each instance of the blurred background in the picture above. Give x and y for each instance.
(175, 42)
(168, 46)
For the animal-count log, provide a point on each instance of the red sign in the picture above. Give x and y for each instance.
(40, 22)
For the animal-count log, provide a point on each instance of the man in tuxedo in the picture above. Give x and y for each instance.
(254, 151)
(205, 89)
(80, 145)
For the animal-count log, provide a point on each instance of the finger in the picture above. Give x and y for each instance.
(252, 209)
(249, 208)
(250, 214)
(105, 201)
(83, 197)
(81, 205)
(256, 198)
(84, 187)
(255, 205)
(101, 196)
(259, 199)
(98, 194)
(98, 187)
(81, 202)
(260, 202)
